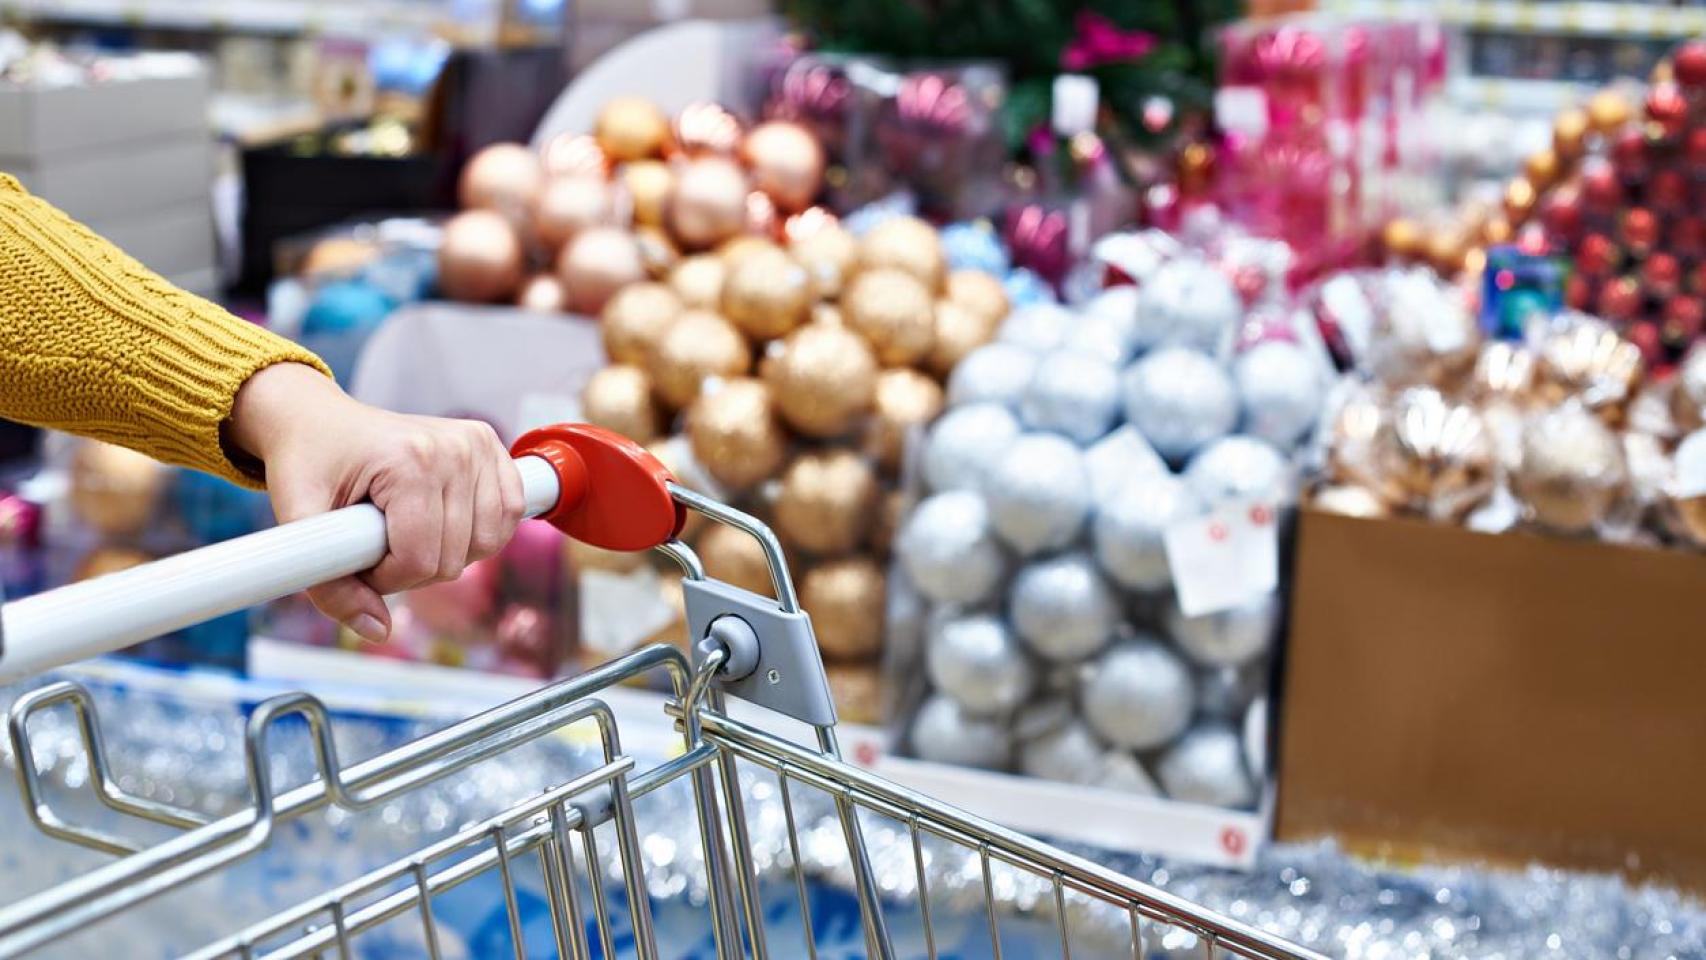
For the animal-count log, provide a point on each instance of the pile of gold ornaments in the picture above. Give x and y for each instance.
(566, 227)
(786, 375)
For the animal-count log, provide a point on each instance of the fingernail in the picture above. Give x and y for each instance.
(367, 626)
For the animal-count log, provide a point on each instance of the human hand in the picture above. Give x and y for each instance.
(448, 488)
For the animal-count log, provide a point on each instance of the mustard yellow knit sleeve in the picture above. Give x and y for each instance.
(94, 343)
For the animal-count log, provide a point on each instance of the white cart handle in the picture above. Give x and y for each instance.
(109, 613)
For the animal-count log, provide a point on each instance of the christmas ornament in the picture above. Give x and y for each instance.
(905, 400)
(567, 155)
(734, 432)
(966, 445)
(1138, 695)
(1688, 398)
(619, 398)
(479, 257)
(1038, 327)
(948, 549)
(532, 562)
(1207, 766)
(1122, 773)
(976, 660)
(1241, 469)
(978, 292)
(1038, 492)
(1424, 334)
(845, 600)
(1104, 336)
(457, 608)
(1071, 393)
(1128, 528)
(542, 293)
(909, 245)
(570, 205)
(1180, 400)
(697, 345)
(114, 489)
(676, 455)
(631, 128)
(1282, 387)
(827, 250)
(698, 281)
(634, 320)
(657, 251)
(1503, 372)
(1187, 302)
(827, 501)
(505, 178)
(1608, 110)
(857, 690)
(824, 378)
(598, 262)
(786, 163)
(767, 294)
(1435, 455)
(958, 331)
(708, 204)
(944, 733)
(1225, 693)
(1572, 469)
(735, 557)
(894, 311)
(1067, 752)
(1118, 457)
(648, 184)
(735, 250)
(1062, 607)
(1585, 358)
(993, 373)
(1226, 638)
(705, 130)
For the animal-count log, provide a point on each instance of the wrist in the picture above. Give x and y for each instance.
(276, 401)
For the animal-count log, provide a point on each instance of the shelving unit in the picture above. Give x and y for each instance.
(368, 18)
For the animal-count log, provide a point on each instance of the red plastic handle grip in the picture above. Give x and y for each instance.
(613, 494)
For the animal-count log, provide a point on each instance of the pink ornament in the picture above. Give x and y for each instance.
(1038, 239)
(1097, 41)
(532, 562)
(525, 635)
(457, 607)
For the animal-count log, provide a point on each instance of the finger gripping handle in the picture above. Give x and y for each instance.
(612, 494)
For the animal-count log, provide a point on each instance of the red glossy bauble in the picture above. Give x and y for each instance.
(1597, 255)
(1689, 63)
(1578, 292)
(1696, 282)
(1562, 214)
(1639, 230)
(1647, 339)
(1620, 300)
(1601, 188)
(1667, 190)
(1661, 274)
(1629, 151)
(1694, 150)
(1687, 237)
(1684, 319)
(1667, 108)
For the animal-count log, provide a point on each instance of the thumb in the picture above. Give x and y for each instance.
(295, 500)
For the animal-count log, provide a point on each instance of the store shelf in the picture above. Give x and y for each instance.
(368, 18)
(1583, 17)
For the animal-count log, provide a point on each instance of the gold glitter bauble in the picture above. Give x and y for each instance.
(857, 689)
(631, 128)
(570, 205)
(648, 183)
(767, 294)
(824, 378)
(657, 251)
(979, 292)
(737, 249)
(479, 257)
(894, 311)
(504, 177)
(1608, 110)
(114, 489)
(909, 244)
(734, 557)
(597, 263)
(830, 253)
(708, 204)
(958, 331)
(827, 501)
(543, 293)
(698, 280)
(1569, 135)
(905, 399)
(1542, 169)
(786, 163)
(634, 321)
(619, 398)
(734, 433)
(699, 344)
(845, 600)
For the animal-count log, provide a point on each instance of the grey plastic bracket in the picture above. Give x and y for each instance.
(786, 674)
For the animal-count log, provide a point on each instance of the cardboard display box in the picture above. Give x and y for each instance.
(1511, 698)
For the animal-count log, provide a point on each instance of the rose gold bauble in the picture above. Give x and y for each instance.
(828, 251)
(698, 280)
(905, 400)
(842, 597)
(114, 489)
(737, 249)
(786, 163)
(567, 155)
(699, 344)
(570, 205)
(708, 204)
(909, 244)
(734, 433)
(735, 557)
(895, 312)
(706, 130)
(104, 560)
(631, 128)
(827, 501)
(824, 378)
(598, 262)
(761, 216)
(958, 331)
(857, 689)
(1608, 110)
(657, 251)
(619, 398)
(479, 257)
(767, 294)
(542, 292)
(504, 177)
(648, 183)
(979, 292)
(634, 320)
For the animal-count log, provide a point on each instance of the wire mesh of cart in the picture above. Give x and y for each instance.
(580, 838)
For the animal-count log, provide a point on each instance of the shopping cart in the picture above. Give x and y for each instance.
(606, 490)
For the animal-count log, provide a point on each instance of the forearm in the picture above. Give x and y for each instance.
(94, 343)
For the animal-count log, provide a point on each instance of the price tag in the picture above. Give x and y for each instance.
(1224, 558)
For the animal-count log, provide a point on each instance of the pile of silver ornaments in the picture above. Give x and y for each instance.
(1050, 636)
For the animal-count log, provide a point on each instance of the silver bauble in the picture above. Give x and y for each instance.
(1062, 607)
(1122, 773)
(1139, 695)
(944, 733)
(1188, 302)
(1256, 737)
(1073, 393)
(1069, 753)
(1128, 528)
(965, 443)
(1180, 399)
(977, 661)
(1282, 386)
(1118, 457)
(993, 373)
(1038, 327)
(1226, 638)
(1224, 693)
(1039, 493)
(1108, 326)
(948, 550)
(1241, 468)
(1207, 766)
